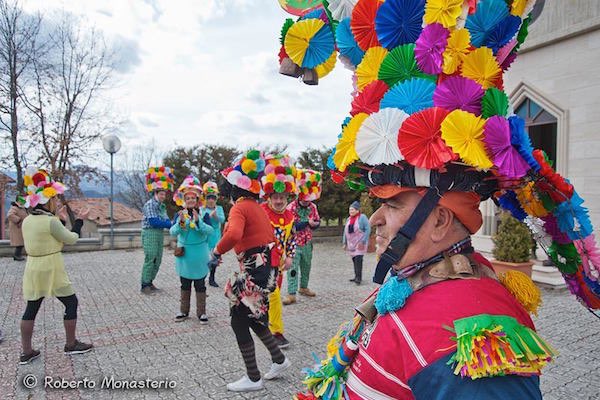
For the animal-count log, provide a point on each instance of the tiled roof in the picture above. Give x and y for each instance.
(100, 211)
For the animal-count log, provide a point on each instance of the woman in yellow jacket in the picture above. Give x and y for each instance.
(44, 236)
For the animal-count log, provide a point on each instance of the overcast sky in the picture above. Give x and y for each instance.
(206, 71)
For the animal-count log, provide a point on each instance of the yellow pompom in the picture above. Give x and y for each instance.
(27, 180)
(248, 165)
(271, 178)
(522, 287)
(49, 192)
(164, 185)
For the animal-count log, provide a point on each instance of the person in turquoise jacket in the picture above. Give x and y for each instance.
(217, 219)
(192, 233)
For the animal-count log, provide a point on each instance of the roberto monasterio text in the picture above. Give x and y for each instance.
(108, 382)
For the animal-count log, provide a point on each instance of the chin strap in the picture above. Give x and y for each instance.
(397, 247)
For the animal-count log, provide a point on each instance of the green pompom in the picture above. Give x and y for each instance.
(253, 174)
(253, 154)
(279, 187)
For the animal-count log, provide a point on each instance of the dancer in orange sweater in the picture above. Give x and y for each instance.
(250, 234)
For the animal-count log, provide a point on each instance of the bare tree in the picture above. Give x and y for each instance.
(18, 41)
(132, 177)
(67, 102)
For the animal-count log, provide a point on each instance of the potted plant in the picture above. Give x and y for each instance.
(512, 246)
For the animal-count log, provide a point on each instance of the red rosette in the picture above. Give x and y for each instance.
(337, 176)
(369, 98)
(362, 23)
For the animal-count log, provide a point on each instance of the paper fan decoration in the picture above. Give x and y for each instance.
(341, 9)
(429, 48)
(326, 67)
(400, 65)
(345, 152)
(500, 149)
(521, 7)
(420, 139)
(444, 12)
(411, 96)
(367, 70)
(287, 24)
(346, 43)
(463, 132)
(459, 93)
(399, 22)
(368, 100)
(494, 102)
(299, 7)
(505, 52)
(309, 42)
(502, 33)
(362, 23)
(457, 47)
(377, 137)
(481, 66)
(488, 14)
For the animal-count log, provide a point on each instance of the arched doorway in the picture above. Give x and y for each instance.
(541, 126)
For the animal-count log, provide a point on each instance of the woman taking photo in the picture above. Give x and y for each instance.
(192, 252)
(44, 236)
(356, 238)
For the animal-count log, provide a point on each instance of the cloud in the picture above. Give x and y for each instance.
(128, 54)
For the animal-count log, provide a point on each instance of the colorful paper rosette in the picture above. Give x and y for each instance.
(420, 139)
(459, 93)
(430, 47)
(39, 187)
(280, 175)
(444, 12)
(309, 183)
(159, 178)
(463, 132)
(247, 171)
(498, 144)
(362, 23)
(345, 150)
(410, 96)
(309, 42)
(399, 22)
(341, 9)
(457, 47)
(346, 43)
(399, 65)
(488, 14)
(377, 138)
(367, 70)
(299, 7)
(481, 66)
(369, 99)
(190, 184)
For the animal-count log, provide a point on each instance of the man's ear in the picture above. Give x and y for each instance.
(444, 218)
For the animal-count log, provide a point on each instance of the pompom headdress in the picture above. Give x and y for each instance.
(39, 187)
(159, 178)
(309, 184)
(210, 188)
(247, 171)
(189, 184)
(280, 175)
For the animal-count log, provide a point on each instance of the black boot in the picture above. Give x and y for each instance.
(18, 256)
(358, 264)
(211, 277)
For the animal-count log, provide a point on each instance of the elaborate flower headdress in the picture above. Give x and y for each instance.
(210, 187)
(247, 171)
(309, 184)
(189, 184)
(39, 187)
(280, 175)
(159, 178)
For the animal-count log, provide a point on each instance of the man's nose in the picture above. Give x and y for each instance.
(377, 218)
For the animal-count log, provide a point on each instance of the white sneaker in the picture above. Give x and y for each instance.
(277, 369)
(245, 385)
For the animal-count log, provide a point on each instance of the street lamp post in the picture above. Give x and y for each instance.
(111, 144)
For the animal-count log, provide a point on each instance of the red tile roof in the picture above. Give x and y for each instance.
(100, 211)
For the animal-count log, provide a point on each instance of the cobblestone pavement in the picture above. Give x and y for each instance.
(136, 338)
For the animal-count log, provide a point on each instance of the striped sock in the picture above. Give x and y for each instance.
(269, 341)
(249, 356)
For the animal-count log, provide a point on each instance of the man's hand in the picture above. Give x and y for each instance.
(287, 264)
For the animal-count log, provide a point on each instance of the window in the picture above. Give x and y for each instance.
(541, 126)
